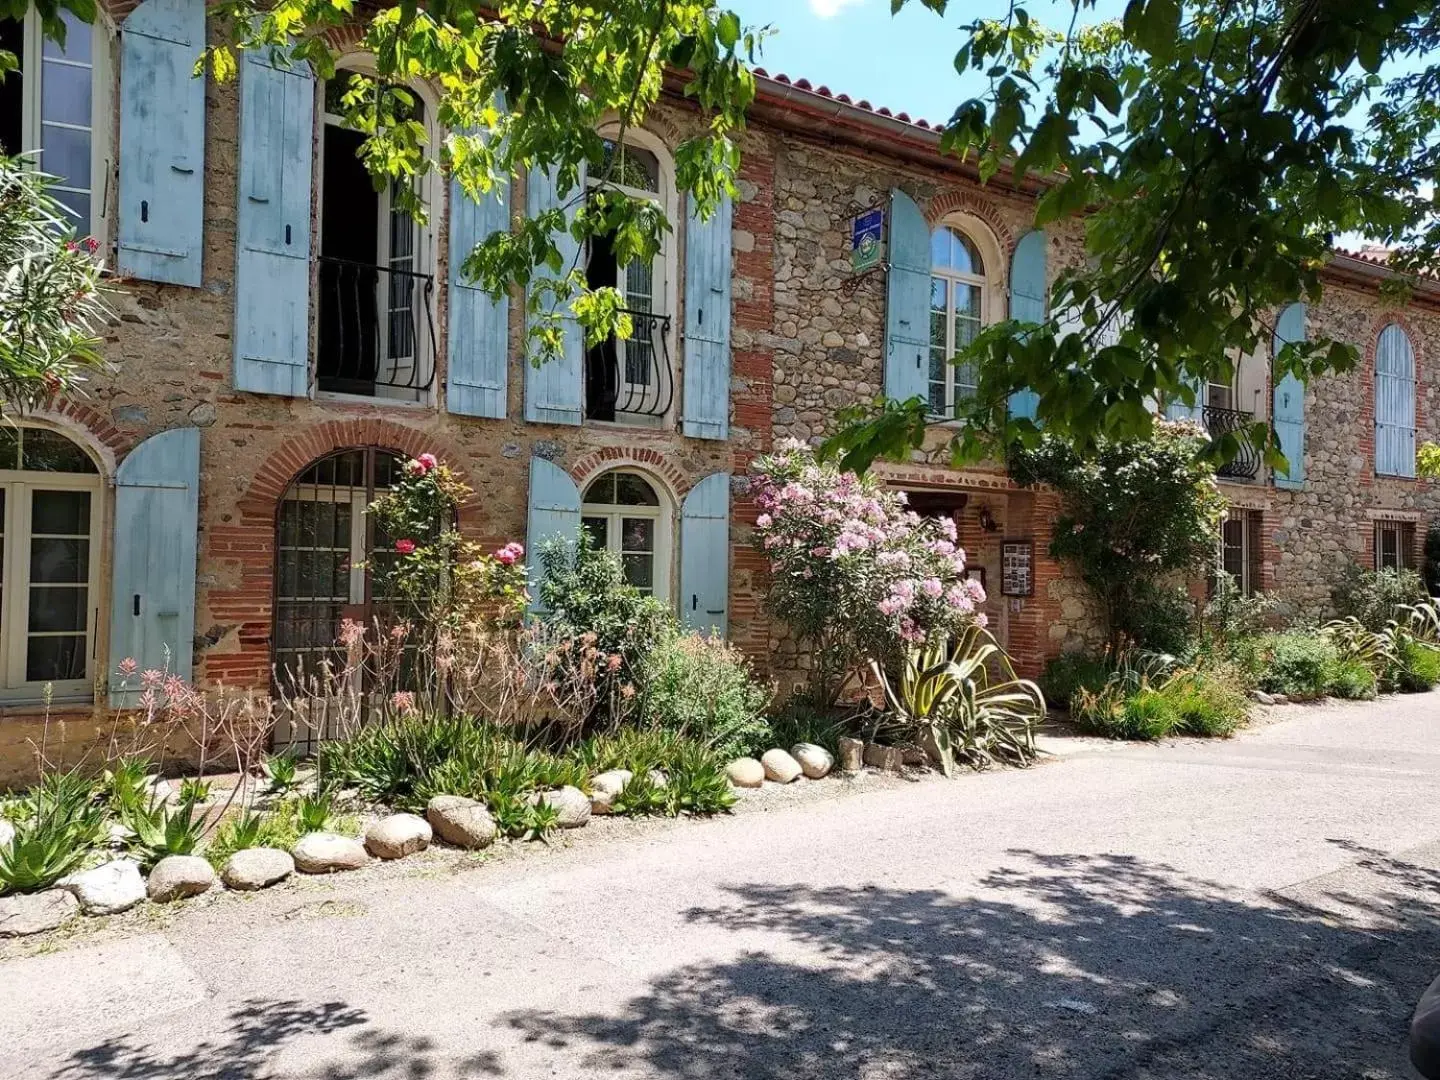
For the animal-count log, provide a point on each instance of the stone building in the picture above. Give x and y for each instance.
(283, 338)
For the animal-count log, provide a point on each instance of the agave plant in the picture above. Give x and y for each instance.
(313, 812)
(964, 702)
(1355, 641)
(62, 824)
(159, 829)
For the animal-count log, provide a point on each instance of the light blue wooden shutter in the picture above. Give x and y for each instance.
(152, 603)
(1289, 405)
(554, 513)
(1394, 403)
(1028, 295)
(907, 302)
(552, 390)
(272, 273)
(707, 324)
(162, 142)
(478, 350)
(705, 555)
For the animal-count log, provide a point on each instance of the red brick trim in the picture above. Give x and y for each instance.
(963, 200)
(642, 459)
(88, 426)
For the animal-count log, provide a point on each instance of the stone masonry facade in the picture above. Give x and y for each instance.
(804, 344)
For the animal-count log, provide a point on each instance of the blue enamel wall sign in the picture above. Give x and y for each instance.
(866, 234)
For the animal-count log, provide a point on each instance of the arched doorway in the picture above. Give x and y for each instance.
(326, 549)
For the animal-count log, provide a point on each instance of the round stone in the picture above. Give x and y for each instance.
(780, 766)
(35, 913)
(815, 761)
(176, 877)
(461, 821)
(328, 853)
(745, 772)
(398, 835)
(108, 889)
(572, 804)
(256, 868)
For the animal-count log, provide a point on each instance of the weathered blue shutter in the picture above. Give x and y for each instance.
(554, 513)
(478, 327)
(162, 142)
(272, 273)
(552, 390)
(1289, 406)
(157, 512)
(907, 302)
(705, 555)
(1028, 295)
(1394, 403)
(707, 323)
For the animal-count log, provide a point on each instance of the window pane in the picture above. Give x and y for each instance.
(632, 490)
(65, 92)
(602, 490)
(640, 571)
(9, 447)
(43, 450)
(66, 154)
(966, 258)
(637, 534)
(940, 247)
(598, 529)
(57, 607)
(59, 560)
(60, 513)
(78, 39)
(639, 169)
(78, 207)
(55, 659)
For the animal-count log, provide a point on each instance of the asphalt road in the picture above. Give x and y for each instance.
(1262, 908)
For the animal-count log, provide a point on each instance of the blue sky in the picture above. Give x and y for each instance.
(905, 62)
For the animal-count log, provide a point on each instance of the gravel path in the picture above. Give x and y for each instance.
(1264, 907)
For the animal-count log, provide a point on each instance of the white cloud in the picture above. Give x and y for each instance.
(828, 9)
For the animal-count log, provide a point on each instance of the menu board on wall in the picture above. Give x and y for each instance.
(1017, 568)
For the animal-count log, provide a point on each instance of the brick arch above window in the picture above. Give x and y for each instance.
(959, 201)
(299, 452)
(650, 462)
(92, 429)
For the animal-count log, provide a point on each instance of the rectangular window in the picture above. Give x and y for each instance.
(1394, 545)
(48, 108)
(1240, 549)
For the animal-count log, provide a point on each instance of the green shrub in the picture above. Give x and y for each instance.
(1418, 668)
(1297, 663)
(798, 721)
(1374, 597)
(584, 592)
(705, 689)
(1159, 619)
(1353, 680)
(1069, 672)
(1209, 701)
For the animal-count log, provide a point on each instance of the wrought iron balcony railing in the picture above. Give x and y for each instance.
(633, 377)
(1245, 465)
(377, 329)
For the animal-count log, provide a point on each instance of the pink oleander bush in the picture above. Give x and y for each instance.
(855, 573)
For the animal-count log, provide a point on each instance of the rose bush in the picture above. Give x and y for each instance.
(854, 572)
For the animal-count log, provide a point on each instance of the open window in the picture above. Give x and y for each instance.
(376, 276)
(632, 381)
(56, 108)
(1240, 549)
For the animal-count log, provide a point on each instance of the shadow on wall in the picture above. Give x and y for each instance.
(1058, 966)
(1081, 967)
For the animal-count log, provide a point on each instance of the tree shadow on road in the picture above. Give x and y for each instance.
(1066, 966)
(258, 1030)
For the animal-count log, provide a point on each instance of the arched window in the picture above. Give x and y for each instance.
(50, 511)
(325, 547)
(1394, 403)
(963, 291)
(632, 381)
(624, 513)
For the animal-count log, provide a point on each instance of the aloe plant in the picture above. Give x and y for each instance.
(62, 825)
(160, 830)
(963, 702)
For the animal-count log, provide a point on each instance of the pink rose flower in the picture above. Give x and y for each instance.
(428, 461)
(405, 547)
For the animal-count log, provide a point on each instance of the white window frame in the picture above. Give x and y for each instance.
(663, 516)
(991, 284)
(32, 120)
(664, 269)
(423, 259)
(15, 597)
